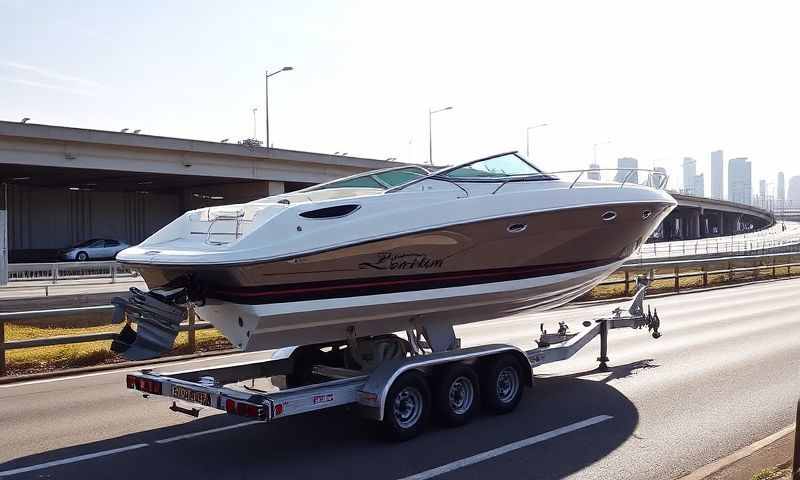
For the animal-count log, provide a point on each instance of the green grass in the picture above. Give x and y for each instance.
(29, 360)
(773, 474)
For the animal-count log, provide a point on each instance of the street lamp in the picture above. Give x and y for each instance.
(25, 120)
(430, 131)
(528, 139)
(255, 109)
(266, 100)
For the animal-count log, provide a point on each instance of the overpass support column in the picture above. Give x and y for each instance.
(721, 223)
(275, 188)
(696, 224)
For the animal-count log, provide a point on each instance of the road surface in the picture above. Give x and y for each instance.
(724, 374)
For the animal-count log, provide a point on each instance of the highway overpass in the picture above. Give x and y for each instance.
(700, 217)
(64, 185)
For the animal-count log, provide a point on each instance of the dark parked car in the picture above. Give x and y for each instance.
(94, 249)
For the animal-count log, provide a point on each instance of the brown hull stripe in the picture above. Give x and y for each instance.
(361, 287)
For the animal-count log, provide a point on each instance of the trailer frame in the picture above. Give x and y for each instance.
(221, 387)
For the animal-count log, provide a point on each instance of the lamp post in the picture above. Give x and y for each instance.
(430, 131)
(266, 101)
(255, 109)
(528, 139)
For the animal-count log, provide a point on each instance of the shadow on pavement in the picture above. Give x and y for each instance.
(338, 444)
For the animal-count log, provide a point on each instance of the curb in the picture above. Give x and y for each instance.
(743, 452)
(111, 366)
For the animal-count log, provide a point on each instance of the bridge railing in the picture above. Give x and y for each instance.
(59, 271)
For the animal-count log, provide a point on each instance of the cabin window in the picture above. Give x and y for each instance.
(330, 212)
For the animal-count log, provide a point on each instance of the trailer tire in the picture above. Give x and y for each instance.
(456, 394)
(408, 405)
(501, 383)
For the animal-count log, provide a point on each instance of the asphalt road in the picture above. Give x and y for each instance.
(724, 374)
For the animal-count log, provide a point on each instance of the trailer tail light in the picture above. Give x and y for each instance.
(245, 409)
(143, 385)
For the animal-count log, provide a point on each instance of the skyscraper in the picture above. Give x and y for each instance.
(699, 189)
(627, 163)
(781, 192)
(689, 174)
(593, 175)
(716, 175)
(793, 193)
(762, 193)
(740, 183)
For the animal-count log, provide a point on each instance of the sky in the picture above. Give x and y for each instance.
(660, 80)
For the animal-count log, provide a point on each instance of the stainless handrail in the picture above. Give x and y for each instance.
(225, 216)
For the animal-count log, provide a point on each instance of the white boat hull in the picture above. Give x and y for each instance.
(266, 326)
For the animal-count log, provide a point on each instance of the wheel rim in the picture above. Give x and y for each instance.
(461, 395)
(507, 384)
(407, 407)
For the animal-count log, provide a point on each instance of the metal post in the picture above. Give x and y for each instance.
(773, 267)
(627, 283)
(603, 358)
(430, 138)
(55, 272)
(677, 279)
(266, 109)
(113, 269)
(2, 348)
(192, 335)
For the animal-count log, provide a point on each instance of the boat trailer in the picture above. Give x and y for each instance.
(400, 390)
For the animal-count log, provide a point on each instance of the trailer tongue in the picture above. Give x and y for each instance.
(395, 381)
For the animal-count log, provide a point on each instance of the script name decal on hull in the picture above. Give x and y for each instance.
(403, 261)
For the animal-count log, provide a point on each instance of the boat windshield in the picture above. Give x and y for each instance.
(383, 179)
(500, 166)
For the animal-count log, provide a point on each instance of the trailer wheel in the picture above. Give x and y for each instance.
(456, 394)
(501, 383)
(407, 406)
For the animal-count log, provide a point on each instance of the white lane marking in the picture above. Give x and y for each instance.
(79, 458)
(465, 462)
(206, 432)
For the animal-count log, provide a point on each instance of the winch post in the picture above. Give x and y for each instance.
(603, 358)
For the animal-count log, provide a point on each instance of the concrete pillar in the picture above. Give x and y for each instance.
(275, 188)
(721, 223)
(696, 224)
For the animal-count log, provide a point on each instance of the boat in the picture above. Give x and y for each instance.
(390, 251)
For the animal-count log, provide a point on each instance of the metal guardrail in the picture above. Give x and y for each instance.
(699, 266)
(59, 314)
(54, 272)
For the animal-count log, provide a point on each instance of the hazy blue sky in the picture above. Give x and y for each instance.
(662, 80)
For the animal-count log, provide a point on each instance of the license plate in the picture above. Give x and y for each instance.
(193, 396)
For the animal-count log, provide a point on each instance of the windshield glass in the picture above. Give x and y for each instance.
(382, 180)
(508, 165)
